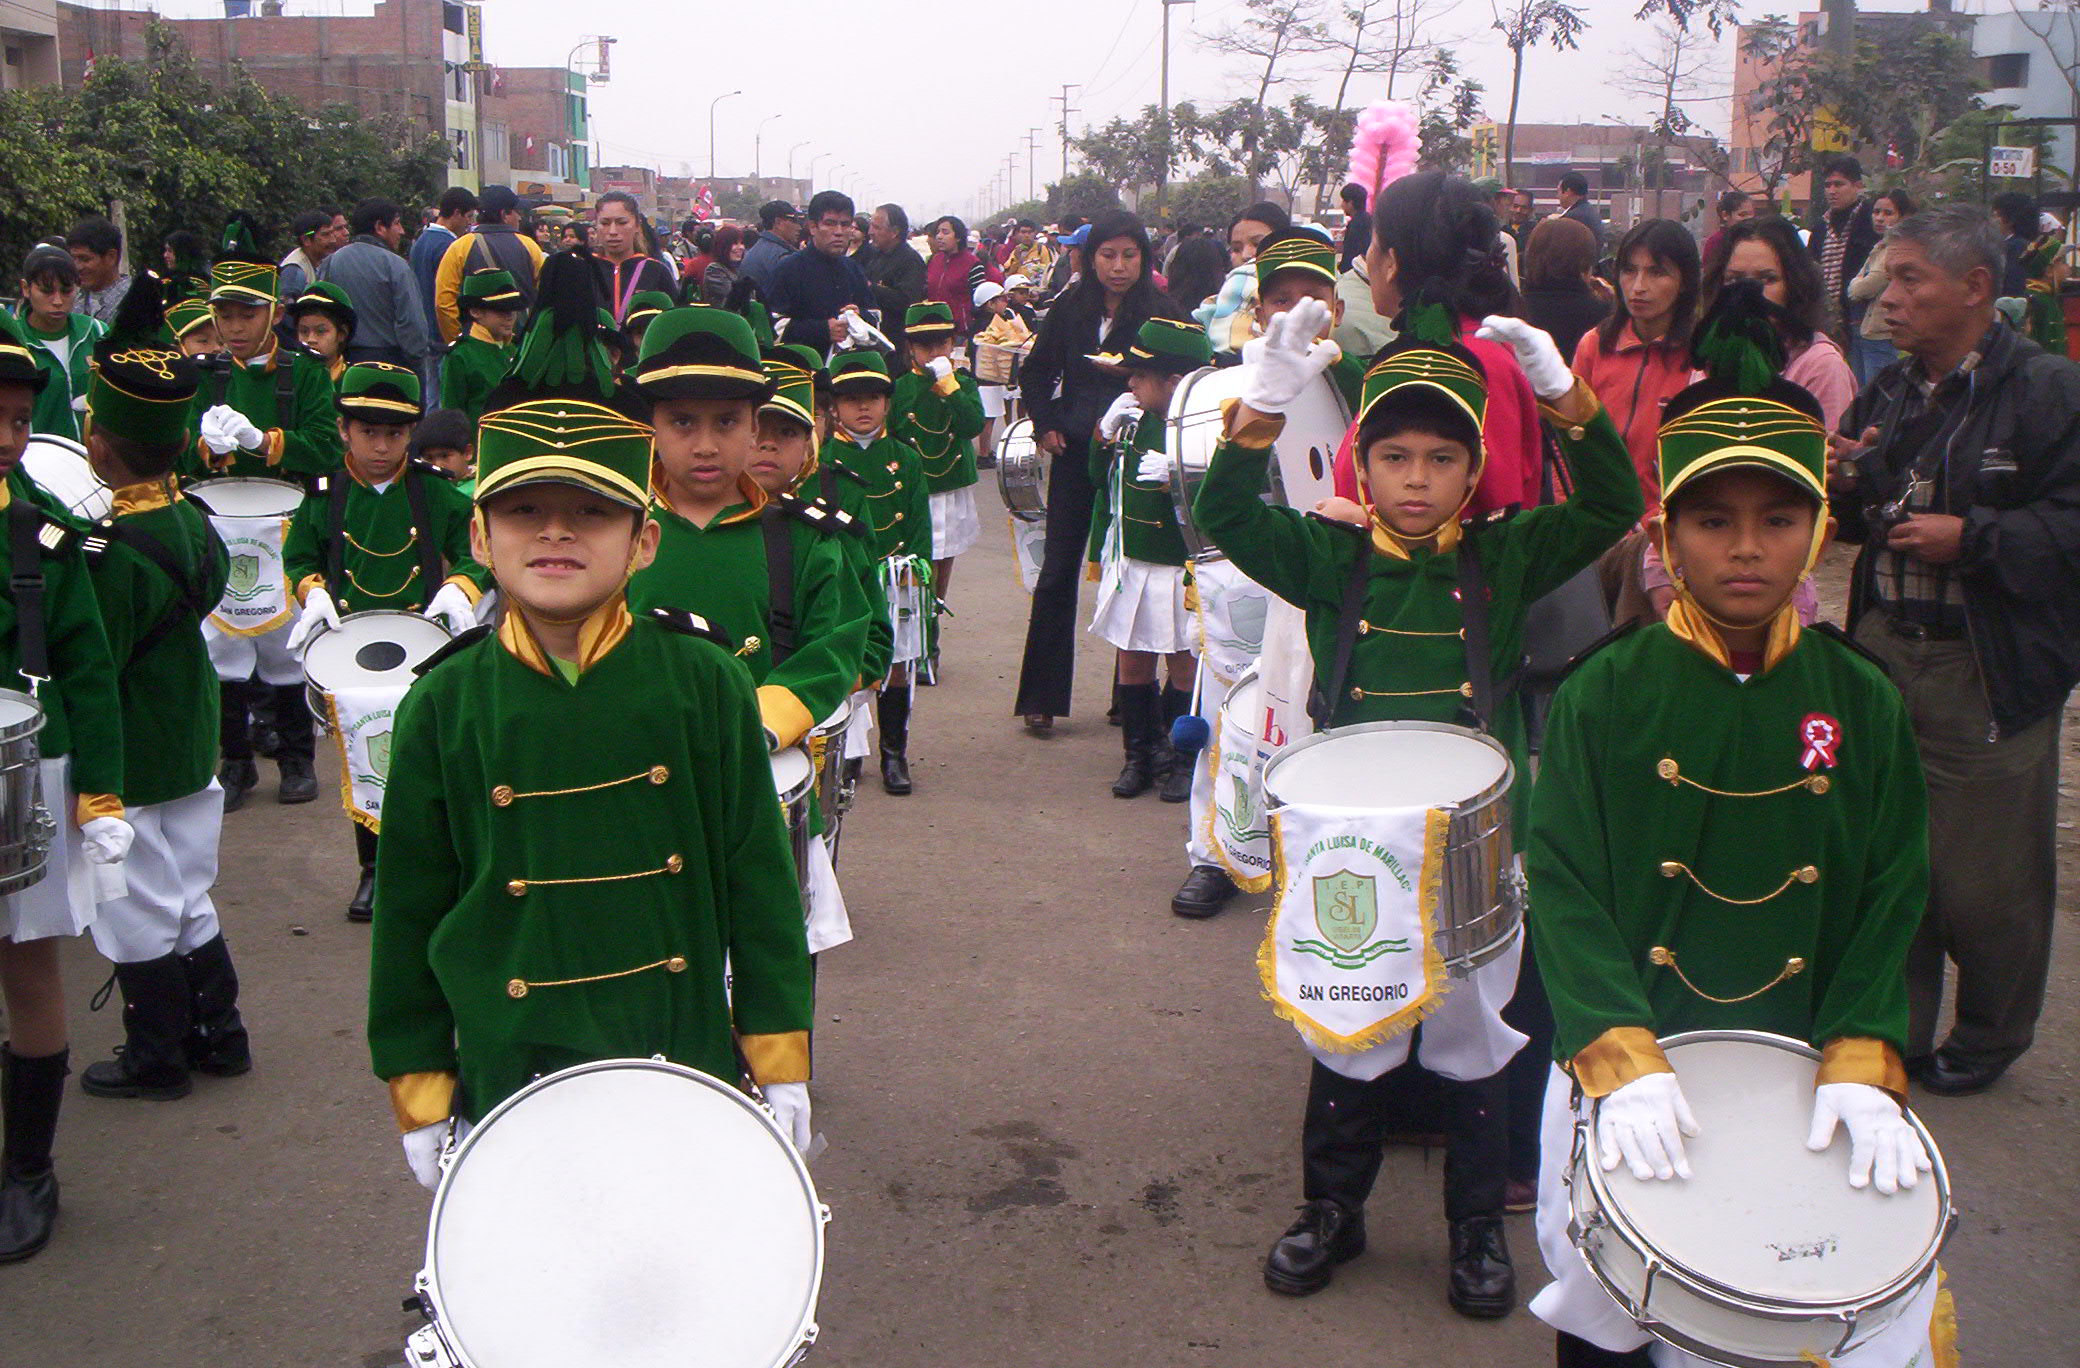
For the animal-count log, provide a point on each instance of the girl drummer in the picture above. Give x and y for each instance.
(1411, 651)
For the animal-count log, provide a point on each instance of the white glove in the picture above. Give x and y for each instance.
(422, 1151)
(450, 607)
(1880, 1140)
(1543, 366)
(318, 607)
(237, 430)
(214, 432)
(1291, 358)
(106, 840)
(789, 1103)
(1121, 418)
(1156, 468)
(861, 335)
(1644, 1122)
(939, 367)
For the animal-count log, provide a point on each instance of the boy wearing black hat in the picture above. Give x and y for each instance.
(159, 569)
(323, 318)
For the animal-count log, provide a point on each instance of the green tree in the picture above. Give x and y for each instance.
(1451, 105)
(1530, 24)
(1036, 210)
(1086, 196)
(1208, 200)
(47, 181)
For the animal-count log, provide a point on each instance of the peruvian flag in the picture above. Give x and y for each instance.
(87, 71)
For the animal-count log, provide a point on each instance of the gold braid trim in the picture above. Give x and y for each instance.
(1804, 874)
(1669, 770)
(1666, 958)
(505, 796)
(519, 987)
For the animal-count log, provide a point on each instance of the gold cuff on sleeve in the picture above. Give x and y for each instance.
(1572, 411)
(782, 1058)
(305, 585)
(420, 1099)
(1863, 1059)
(87, 806)
(783, 714)
(1246, 428)
(277, 442)
(1617, 1057)
(949, 386)
(1093, 571)
(467, 585)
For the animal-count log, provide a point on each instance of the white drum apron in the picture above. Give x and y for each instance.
(355, 675)
(252, 516)
(1239, 835)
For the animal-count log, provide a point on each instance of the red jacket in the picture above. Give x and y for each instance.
(946, 280)
(1635, 381)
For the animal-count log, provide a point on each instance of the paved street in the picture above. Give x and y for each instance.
(1063, 1125)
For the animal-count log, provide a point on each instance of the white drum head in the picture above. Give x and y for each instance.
(1404, 766)
(60, 467)
(836, 722)
(1244, 706)
(632, 1213)
(17, 709)
(1764, 1214)
(792, 773)
(372, 651)
(239, 497)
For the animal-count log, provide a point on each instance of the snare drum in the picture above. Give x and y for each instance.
(794, 778)
(1241, 837)
(382, 649)
(26, 826)
(1766, 1257)
(695, 1237)
(1022, 473)
(59, 467)
(827, 753)
(1396, 766)
(252, 516)
(1303, 474)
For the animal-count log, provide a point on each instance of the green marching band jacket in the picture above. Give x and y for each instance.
(941, 419)
(1147, 515)
(471, 369)
(292, 407)
(391, 548)
(843, 489)
(898, 501)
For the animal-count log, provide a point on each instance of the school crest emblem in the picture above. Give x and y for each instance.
(1346, 908)
(379, 756)
(245, 576)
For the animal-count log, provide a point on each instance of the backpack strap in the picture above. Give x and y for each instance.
(24, 530)
(1321, 704)
(779, 547)
(191, 600)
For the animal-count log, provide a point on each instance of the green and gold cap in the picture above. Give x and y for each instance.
(793, 369)
(380, 392)
(243, 274)
(18, 363)
(322, 296)
(645, 305)
(491, 289)
(1427, 361)
(1742, 413)
(700, 352)
(1296, 249)
(186, 316)
(552, 419)
(859, 372)
(138, 386)
(929, 319)
(1173, 346)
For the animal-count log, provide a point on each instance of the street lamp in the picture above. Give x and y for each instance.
(711, 129)
(811, 177)
(790, 157)
(756, 135)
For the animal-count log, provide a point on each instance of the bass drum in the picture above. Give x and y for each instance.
(1304, 471)
(59, 467)
(1022, 473)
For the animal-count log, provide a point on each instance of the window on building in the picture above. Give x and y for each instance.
(461, 77)
(2005, 70)
(559, 168)
(462, 149)
(452, 18)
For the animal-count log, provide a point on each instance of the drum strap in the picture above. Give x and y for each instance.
(772, 521)
(25, 578)
(333, 555)
(429, 548)
(1320, 705)
(1473, 614)
(191, 597)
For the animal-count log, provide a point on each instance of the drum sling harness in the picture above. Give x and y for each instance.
(25, 578)
(191, 597)
(772, 522)
(1473, 614)
(332, 549)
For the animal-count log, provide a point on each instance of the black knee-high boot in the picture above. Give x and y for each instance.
(31, 1088)
(1176, 769)
(363, 905)
(298, 748)
(238, 774)
(894, 709)
(153, 1059)
(1140, 717)
(217, 1042)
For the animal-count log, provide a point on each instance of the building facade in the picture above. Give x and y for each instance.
(28, 44)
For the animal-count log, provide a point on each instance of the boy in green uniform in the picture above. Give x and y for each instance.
(323, 318)
(760, 569)
(899, 509)
(658, 835)
(159, 569)
(193, 327)
(446, 439)
(51, 644)
(938, 410)
(60, 339)
(643, 310)
(1136, 544)
(489, 303)
(1729, 829)
(1299, 263)
(1393, 638)
(266, 412)
(380, 537)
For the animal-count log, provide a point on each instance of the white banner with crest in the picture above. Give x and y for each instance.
(361, 721)
(256, 597)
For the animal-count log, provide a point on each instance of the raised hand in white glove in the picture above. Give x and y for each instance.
(422, 1150)
(1120, 419)
(1882, 1145)
(106, 840)
(1155, 468)
(318, 608)
(1292, 357)
(450, 607)
(1543, 365)
(939, 367)
(861, 335)
(789, 1103)
(1644, 1123)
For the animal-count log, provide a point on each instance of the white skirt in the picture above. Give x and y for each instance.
(62, 902)
(992, 400)
(1141, 607)
(956, 525)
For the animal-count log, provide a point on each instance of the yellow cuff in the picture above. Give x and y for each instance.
(949, 386)
(1246, 428)
(1862, 1059)
(777, 1058)
(305, 585)
(87, 806)
(466, 585)
(1617, 1057)
(420, 1099)
(1572, 411)
(1093, 572)
(277, 442)
(783, 714)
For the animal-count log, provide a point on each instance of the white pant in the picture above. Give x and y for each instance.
(171, 866)
(1465, 1039)
(237, 658)
(61, 903)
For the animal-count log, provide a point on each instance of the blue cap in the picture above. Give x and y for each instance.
(1079, 237)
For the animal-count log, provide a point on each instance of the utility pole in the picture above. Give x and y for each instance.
(1163, 171)
(1032, 162)
(1067, 109)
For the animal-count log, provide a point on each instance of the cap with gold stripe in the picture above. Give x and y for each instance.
(17, 363)
(929, 319)
(1296, 249)
(1172, 346)
(186, 316)
(700, 352)
(325, 297)
(243, 273)
(138, 386)
(793, 370)
(380, 392)
(1742, 413)
(645, 306)
(489, 289)
(860, 372)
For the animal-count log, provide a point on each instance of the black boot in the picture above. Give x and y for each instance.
(362, 906)
(30, 1090)
(298, 744)
(1140, 711)
(1570, 1352)
(1205, 891)
(1483, 1284)
(894, 708)
(237, 779)
(1176, 766)
(217, 1043)
(1306, 1256)
(152, 1061)
(234, 728)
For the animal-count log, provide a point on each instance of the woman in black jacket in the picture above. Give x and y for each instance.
(1559, 294)
(1066, 396)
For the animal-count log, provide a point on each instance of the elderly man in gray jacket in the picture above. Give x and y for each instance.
(389, 319)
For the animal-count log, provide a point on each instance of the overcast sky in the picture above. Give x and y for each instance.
(921, 102)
